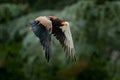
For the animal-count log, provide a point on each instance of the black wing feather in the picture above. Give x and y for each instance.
(57, 32)
(45, 38)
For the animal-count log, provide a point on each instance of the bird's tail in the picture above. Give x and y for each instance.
(48, 53)
(48, 48)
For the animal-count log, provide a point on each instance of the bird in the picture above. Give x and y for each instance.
(46, 26)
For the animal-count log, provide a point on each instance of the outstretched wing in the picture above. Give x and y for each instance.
(45, 38)
(63, 34)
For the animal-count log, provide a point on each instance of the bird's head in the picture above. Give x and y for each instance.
(64, 23)
(35, 27)
(57, 22)
(53, 17)
(33, 24)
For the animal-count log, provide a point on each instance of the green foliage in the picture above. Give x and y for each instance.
(12, 64)
(97, 69)
(9, 12)
(100, 32)
(43, 4)
(101, 25)
(95, 28)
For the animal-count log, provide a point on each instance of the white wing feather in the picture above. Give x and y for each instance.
(69, 40)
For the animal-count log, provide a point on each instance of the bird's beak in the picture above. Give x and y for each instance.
(64, 23)
(30, 28)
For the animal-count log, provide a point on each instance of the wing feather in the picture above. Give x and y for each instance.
(44, 21)
(63, 34)
(45, 38)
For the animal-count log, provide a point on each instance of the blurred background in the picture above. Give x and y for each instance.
(95, 26)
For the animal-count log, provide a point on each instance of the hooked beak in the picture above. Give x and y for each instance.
(64, 23)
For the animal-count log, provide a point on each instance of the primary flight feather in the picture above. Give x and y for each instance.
(45, 26)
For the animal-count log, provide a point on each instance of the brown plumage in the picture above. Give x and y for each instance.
(44, 21)
(45, 26)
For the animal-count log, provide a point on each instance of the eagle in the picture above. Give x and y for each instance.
(46, 26)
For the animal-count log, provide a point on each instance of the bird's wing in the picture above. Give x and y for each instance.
(44, 21)
(45, 38)
(63, 34)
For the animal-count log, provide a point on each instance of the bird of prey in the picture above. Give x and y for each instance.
(45, 26)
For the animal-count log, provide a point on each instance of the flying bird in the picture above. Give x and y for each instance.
(45, 26)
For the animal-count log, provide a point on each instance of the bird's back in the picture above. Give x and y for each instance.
(44, 21)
